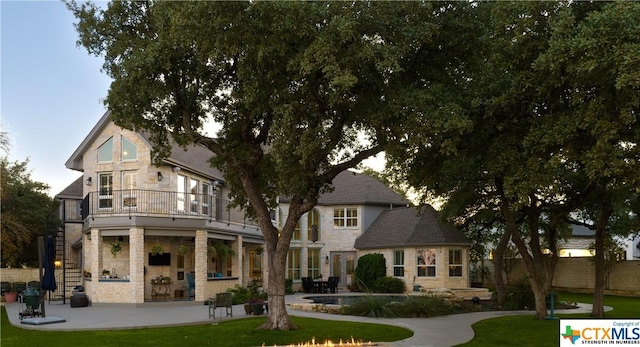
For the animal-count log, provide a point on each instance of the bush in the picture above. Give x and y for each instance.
(426, 306)
(388, 284)
(373, 306)
(370, 268)
(519, 296)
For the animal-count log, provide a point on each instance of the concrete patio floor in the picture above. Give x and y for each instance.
(428, 332)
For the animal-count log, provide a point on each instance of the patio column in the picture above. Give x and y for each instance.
(201, 264)
(96, 263)
(237, 268)
(136, 265)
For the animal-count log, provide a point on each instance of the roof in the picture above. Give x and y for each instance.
(408, 226)
(195, 158)
(352, 188)
(72, 191)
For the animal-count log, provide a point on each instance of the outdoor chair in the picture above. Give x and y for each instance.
(222, 300)
(332, 284)
(6, 287)
(34, 285)
(307, 284)
(191, 282)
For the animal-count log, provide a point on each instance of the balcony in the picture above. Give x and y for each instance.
(140, 202)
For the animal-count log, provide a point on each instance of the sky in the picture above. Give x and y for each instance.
(52, 90)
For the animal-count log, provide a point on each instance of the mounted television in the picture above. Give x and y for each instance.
(160, 259)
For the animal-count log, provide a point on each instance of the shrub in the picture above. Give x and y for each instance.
(373, 306)
(519, 296)
(426, 306)
(370, 268)
(388, 284)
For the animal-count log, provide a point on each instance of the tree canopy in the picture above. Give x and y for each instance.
(27, 212)
(293, 84)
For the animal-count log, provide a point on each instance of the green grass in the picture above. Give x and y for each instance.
(239, 332)
(524, 331)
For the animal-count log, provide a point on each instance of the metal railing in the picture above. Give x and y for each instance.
(140, 202)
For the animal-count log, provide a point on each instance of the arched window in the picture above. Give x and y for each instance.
(313, 225)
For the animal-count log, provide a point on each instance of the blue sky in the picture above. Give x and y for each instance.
(51, 91)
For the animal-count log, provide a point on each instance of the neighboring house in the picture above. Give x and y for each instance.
(580, 244)
(419, 248)
(142, 221)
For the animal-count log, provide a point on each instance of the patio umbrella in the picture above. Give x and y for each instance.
(49, 278)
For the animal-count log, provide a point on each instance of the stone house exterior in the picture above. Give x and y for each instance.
(418, 248)
(141, 222)
(124, 209)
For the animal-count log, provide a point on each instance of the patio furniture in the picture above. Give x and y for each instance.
(221, 300)
(332, 284)
(307, 284)
(6, 287)
(191, 283)
(19, 287)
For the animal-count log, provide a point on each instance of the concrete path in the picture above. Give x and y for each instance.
(428, 332)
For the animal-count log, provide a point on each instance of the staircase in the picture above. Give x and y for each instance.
(72, 276)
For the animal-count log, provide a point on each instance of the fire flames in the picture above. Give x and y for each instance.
(329, 343)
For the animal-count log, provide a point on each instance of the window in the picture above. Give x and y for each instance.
(129, 150)
(313, 220)
(345, 217)
(398, 263)
(293, 264)
(296, 232)
(206, 199)
(455, 263)
(182, 188)
(105, 152)
(105, 192)
(426, 260)
(255, 265)
(313, 263)
(128, 187)
(193, 189)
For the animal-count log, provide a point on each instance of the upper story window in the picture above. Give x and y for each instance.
(313, 225)
(105, 152)
(345, 217)
(296, 232)
(129, 150)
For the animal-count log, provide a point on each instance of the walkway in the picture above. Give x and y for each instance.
(428, 332)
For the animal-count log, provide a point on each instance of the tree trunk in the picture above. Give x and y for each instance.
(498, 260)
(598, 290)
(277, 318)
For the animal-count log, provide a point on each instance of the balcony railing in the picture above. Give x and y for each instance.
(140, 202)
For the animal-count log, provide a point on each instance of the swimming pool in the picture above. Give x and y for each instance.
(349, 299)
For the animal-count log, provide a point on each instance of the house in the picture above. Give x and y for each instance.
(137, 232)
(582, 240)
(144, 228)
(419, 248)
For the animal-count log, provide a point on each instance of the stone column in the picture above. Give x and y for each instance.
(136, 265)
(201, 264)
(96, 263)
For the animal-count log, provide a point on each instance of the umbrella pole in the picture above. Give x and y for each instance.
(40, 252)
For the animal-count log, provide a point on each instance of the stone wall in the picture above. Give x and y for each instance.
(578, 274)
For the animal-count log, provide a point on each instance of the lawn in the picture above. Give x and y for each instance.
(526, 331)
(238, 332)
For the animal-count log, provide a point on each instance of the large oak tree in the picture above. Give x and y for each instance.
(292, 84)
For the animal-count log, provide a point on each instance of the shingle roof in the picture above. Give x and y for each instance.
(74, 190)
(402, 227)
(194, 158)
(352, 188)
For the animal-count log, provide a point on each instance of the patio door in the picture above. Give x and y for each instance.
(342, 265)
